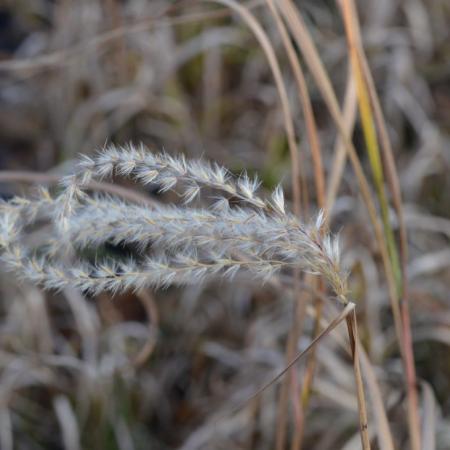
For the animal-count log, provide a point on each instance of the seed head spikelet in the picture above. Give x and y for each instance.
(175, 244)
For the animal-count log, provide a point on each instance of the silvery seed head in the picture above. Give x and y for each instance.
(175, 244)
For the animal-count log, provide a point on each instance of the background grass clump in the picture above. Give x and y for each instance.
(343, 106)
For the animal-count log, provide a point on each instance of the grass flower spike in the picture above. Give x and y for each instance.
(174, 245)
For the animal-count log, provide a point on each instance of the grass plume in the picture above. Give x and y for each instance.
(176, 244)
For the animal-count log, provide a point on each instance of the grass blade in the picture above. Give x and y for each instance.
(267, 47)
(366, 94)
(384, 434)
(340, 154)
(354, 345)
(331, 326)
(429, 418)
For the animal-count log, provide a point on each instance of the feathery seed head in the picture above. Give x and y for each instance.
(176, 245)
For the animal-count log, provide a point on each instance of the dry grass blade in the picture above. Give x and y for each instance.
(384, 433)
(389, 162)
(354, 345)
(368, 99)
(151, 309)
(348, 313)
(305, 101)
(6, 435)
(267, 47)
(306, 390)
(340, 154)
(319, 179)
(295, 168)
(294, 334)
(429, 418)
(397, 200)
(68, 423)
(370, 134)
(348, 309)
(310, 370)
(305, 43)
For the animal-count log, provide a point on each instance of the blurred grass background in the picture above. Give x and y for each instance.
(162, 369)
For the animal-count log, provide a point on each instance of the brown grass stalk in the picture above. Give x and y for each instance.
(347, 313)
(384, 433)
(297, 178)
(306, 44)
(303, 39)
(356, 48)
(267, 47)
(339, 151)
(319, 178)
(354, 345)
